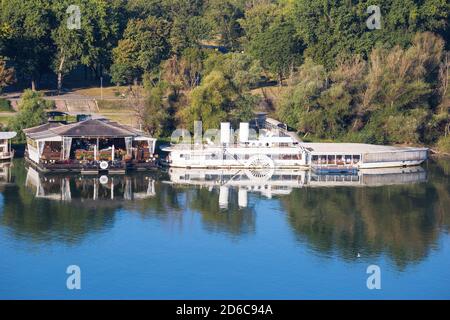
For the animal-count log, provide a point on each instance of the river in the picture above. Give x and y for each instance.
(226, 235)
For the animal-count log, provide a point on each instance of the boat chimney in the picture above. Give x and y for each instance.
(243, 132)
(225, 133)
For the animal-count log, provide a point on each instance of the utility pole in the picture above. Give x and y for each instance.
(101, 87)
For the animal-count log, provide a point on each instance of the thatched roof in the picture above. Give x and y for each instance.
(94, 128)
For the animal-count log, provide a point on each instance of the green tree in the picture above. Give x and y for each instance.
(210, 102)
(331, 28)
(90, 45)
(157, 113)
(278, 48)
(224, 16)
(143, 47)
(26, 29)
(32, 112)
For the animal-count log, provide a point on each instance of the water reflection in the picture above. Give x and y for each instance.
(73, 187)
(282, 182)
(396, 212)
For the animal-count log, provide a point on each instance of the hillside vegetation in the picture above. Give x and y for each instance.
(332, 70)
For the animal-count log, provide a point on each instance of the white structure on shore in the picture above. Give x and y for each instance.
(6, 152)
(275, 147)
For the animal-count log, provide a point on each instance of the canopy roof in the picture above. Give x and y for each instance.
(92, 128)
(7, 135)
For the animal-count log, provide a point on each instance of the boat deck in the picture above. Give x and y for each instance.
(357, 148)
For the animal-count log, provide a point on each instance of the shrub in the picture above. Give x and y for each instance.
(5, 105)
(443, 144)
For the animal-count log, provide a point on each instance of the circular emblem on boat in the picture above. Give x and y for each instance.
(104, 165)
(260, 167)
(103, 179)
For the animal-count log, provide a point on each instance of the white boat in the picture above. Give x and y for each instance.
(275, 147)
(6, 152)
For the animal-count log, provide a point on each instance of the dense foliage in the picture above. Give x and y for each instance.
(32, 112)
(212, 60)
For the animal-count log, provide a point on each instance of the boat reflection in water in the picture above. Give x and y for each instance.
(85, 188)
(271, 183)
(5, 173)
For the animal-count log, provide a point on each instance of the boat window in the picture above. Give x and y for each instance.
(315, 159)
(356, 158)
(348, 159)
(331, 159)
(339, 160)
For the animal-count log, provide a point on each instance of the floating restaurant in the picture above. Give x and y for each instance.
(271, 145)
(90, 146)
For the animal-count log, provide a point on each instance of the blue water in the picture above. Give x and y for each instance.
(167, 248)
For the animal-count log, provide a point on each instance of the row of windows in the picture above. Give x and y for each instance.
(336, 159)
(247, 156)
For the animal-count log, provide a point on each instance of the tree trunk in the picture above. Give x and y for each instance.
(60, 74)
(280, 79)
(33, 84)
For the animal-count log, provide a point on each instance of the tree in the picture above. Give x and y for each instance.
(388, 100)
(188, 26)
(26, 37)
(143, 47)
(7, 75)
(157, 113)
(243, 71)
(223, 17)
(218, 99)
(32, 112)
(278, 48)
(91, 44)
(299, 104)
(330, 28)
(259, 17)
(210, 101)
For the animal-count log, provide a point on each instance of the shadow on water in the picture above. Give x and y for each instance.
(398, 212)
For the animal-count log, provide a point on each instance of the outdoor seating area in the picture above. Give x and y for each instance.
(335, 160)
(90, 145)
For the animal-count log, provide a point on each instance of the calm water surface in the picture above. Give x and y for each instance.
(225, 235)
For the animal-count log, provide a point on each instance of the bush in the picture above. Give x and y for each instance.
(443, 144)
(5, 105)
(32, 112)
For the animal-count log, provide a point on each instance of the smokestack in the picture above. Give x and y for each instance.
(225, 133)
(243, 132)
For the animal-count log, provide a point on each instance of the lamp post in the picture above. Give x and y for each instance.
(101, 88)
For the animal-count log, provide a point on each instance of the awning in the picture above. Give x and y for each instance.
(8, 135)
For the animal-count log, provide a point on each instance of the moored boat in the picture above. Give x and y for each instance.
(6, 152)
(273, 146)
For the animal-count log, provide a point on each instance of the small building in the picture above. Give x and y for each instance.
(6, 152)
(89, 147)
